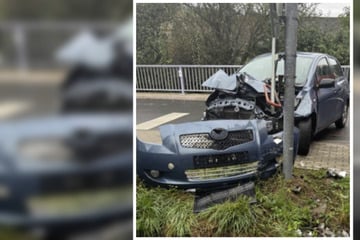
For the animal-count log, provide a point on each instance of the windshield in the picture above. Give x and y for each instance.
(260, 68)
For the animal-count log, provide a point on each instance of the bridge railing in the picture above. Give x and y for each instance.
(182, 78)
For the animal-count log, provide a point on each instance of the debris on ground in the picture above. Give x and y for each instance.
(207, 199)
(296, 189)
(332, 172)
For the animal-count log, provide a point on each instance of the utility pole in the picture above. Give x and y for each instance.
(275, 35)
(291, 24)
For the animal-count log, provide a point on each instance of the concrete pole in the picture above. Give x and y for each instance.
(275, 35)
(291, 25)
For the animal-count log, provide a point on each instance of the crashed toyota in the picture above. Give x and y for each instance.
(321, 88)
(210, 154)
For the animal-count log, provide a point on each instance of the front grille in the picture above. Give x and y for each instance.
(217, 160)
(221, 172)
(93, 147)
(204, 141)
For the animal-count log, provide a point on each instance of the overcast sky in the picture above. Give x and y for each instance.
(331, 9)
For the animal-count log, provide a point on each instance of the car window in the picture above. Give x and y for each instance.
(335, 67)
(323, 70)
(260, 68)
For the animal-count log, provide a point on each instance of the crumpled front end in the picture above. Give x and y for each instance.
(209, 154)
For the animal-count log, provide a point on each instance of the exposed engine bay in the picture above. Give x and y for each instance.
(240, 96)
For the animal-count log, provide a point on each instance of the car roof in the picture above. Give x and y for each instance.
(303, 54)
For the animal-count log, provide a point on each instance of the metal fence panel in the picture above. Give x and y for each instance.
(183, 78)
(177, 78)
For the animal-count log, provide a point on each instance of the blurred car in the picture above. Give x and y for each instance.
(72, 172)
(322, 94)
(210, 154)
(100, 75)
(66, 173)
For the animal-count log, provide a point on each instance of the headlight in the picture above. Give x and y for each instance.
(45, 149)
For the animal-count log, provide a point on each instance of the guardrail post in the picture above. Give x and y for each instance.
(19, 39)
(181, 80)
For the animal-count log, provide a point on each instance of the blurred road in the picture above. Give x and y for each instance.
(19, 99)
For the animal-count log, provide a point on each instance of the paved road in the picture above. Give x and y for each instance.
(148, 109)
(26, 99)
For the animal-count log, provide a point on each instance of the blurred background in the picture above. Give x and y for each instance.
(65, 119)
(356, 142)
(356, 91)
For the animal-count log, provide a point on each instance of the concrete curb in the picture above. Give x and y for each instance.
(172, 96)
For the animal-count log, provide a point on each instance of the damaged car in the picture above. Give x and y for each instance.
(66, 173)
(321, 89)
(210, 154)
(100, 71)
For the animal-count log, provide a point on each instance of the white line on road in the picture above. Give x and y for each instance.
(160, 120)
(11, 108)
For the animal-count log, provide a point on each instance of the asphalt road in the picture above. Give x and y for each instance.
(148, 109)
(28, 99)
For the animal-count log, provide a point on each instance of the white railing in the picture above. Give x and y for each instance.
(177, 78)
(182, 78)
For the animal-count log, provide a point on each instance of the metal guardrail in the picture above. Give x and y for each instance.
(182, 78)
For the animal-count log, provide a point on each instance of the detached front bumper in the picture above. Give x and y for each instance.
(191, 157)
(72, 198)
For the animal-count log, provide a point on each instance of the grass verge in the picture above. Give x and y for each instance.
(321, 208)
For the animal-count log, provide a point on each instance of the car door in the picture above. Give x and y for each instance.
(341, 86)
(326, 97)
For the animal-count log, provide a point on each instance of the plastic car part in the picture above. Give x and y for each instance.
(208, 199)
(198, 155)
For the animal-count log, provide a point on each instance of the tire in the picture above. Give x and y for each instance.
(341, 122)
(305, 127)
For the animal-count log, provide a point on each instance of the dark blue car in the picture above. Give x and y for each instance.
(322, 94)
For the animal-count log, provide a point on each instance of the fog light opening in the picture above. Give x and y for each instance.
(4, 191)
(171, 166)
(155, 173)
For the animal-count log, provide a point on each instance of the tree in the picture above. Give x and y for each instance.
(223, 33)
(151, 19)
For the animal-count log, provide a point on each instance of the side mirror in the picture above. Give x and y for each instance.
(327, 83)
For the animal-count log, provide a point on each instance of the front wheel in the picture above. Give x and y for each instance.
(341, 122)
(305, 127)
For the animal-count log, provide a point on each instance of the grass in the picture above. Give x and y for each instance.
(13, 234)
(166, 212)
(278, 210)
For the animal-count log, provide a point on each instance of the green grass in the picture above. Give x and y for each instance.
(277, 212)
(13, 234)
(165, 212)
